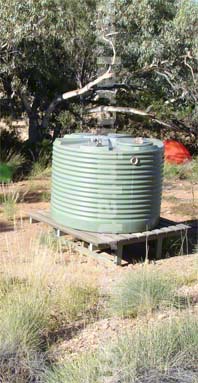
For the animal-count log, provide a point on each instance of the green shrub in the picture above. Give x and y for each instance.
(6, 173)
(11, 157)
(41, 166)
(141, 292)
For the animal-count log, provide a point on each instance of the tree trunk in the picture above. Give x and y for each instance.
(34, 129)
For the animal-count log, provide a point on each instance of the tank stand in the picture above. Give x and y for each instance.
(118, 255)
(158, 247)
(96, 244)
(119, 251)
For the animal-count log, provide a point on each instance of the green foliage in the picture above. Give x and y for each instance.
(5, 173)
(49, 54)
(42, 57)
(142, 292)
(10, 144)
(11, 158)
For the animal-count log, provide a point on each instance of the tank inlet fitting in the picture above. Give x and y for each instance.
(134, 161)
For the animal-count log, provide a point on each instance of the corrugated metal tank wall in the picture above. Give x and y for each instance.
(108, 184)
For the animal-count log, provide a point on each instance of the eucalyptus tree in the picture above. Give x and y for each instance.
(47, 47)
(160, 51)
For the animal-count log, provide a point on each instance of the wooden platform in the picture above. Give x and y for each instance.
(99, 241)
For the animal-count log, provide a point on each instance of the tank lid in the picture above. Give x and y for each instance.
(115, 141)
(110, 141)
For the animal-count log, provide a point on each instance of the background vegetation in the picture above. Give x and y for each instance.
(49, 47)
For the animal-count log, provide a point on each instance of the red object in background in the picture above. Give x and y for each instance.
(176, 153)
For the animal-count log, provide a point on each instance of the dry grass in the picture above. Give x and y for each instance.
(9, 196)
(45, 290)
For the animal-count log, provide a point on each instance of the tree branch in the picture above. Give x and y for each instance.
(189, 66)
(166, 78)
(26, 103)
(138, 112)
(101, 109)
(87, 87)
(78, 92)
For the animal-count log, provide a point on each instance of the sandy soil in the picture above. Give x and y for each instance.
(19, 240)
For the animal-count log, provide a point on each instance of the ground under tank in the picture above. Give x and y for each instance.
(107, 184)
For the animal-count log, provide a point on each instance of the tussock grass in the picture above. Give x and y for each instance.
(33, 306)
(51, 240)
(188, 171)
(154, 353)
(9, 197)
(142, 292)
(85, 369)
(155, 348)
(39, 169)
(24, 315)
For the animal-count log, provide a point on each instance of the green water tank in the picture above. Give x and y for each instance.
(107, 184)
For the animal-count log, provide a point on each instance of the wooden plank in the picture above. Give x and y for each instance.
(107, 240)
(89, 237)
(181, 226)
(118, 254)
(159, 247)
(165, 222)
(94, 254)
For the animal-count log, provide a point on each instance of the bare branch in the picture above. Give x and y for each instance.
(101, 109)
(108, 74)
(87, 87)
(138, 112)
(189, 66)
(78, 92)
(162, 123)
(113, 48)
(166, 78)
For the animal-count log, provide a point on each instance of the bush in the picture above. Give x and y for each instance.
(141, 292)
(11, 157)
